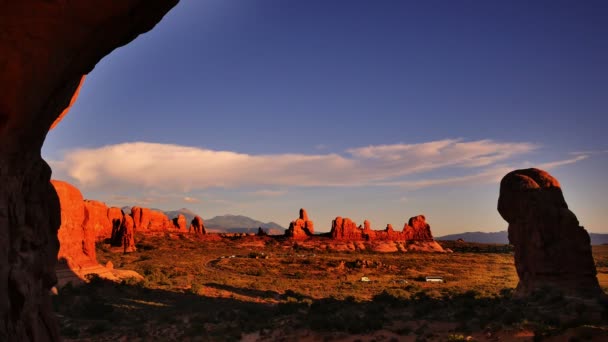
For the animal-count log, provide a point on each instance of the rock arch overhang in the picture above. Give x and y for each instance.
(46, 48)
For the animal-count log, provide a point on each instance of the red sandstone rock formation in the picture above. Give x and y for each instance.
(345, 229)
(127, 229)
(141, 218)
(77, 248)
(300, 228)
(417, 229)
(97, 216)
(159, 221)
(551, 249)
(46, 47)
(115, 213)
(180, 222)
(197, 226)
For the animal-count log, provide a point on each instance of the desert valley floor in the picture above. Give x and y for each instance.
(265, 288)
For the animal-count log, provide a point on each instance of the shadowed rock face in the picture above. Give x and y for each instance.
(180, 222)
(197, 226)
(551, 249)
(46, 47)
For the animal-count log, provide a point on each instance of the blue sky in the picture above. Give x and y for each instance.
(364, 109)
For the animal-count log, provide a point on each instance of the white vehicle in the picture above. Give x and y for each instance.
(434, 279)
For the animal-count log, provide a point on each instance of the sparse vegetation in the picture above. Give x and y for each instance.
(221, 290)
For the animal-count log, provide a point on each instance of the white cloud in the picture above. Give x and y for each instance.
(164, 167)
(191, 200)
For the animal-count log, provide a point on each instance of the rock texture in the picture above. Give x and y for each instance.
(141, 218)
(46, 47)
(416, 229)
(345, 229)
(197, 226)
(551, 249)
(77, 236)
(96, 213)
(128, 230)
(180, 222)
(301, 228)
(159, 221)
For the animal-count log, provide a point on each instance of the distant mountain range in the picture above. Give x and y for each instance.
(502, 237)
(224, 223)
(241, 224)
(189, 214)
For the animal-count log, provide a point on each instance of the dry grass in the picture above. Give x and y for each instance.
(227, 290)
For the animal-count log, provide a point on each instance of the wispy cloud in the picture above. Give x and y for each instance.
(268, 193)
(191, 200)
(181, 168)
(491, 174)
(587, 153)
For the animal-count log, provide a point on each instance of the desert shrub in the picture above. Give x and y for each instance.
(257, 272)
(145, 246)
(154, 275)
(333, 263)
(256, 255)
(132, 281)
(143, 257)
(196, 288)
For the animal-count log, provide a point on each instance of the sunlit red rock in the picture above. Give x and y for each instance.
(141, 218)
(96, 213)
(159, 221)
(301, 228)
(345, 229)
(417, 229)
(77, 239)
(551, 248)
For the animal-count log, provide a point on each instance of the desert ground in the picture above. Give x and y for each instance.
(272, 289)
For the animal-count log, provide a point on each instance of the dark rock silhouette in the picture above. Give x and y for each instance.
(197, 226)
(180, 222)
(46, 48)
(127, 230)
(551, 249)
(115, 216)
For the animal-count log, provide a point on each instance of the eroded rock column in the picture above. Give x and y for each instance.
(551, 249)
